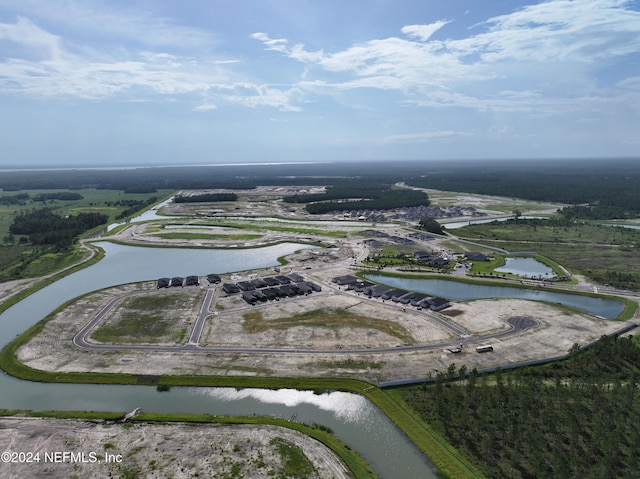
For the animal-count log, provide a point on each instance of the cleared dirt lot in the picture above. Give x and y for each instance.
(369, 325)
(158, 450)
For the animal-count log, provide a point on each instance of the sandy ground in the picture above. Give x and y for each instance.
(105, 449)
(556, 331)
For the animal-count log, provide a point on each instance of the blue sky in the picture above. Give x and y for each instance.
(100, 82)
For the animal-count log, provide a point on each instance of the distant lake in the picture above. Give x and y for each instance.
(526, 267)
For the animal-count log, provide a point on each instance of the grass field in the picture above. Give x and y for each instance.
(325, 318)
(149, 319)
(604, 254)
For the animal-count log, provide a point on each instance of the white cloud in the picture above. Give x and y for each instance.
(555, 46)
(206, 107)
(277, 44)
(253, 96)
(426, 136)
(132, 76)
(132, 21)
(423, 32)
(26, 33)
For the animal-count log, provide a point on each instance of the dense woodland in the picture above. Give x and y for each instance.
(44, 227)
(606, 185)
(358, 194)
(576, 418)
(206, 197)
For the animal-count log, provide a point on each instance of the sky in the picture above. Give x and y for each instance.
(146, 82)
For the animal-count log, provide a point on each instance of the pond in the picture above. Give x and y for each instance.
(526, 267)
(457, 290)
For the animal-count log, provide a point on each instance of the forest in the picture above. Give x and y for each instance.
(610, 187)
(576, 418)
(360, 195)
(44, 227)
(206, 197)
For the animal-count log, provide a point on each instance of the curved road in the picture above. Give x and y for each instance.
(518, 325)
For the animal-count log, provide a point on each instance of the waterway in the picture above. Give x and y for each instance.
(353, 418)
(456, 290)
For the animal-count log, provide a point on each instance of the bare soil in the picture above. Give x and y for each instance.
(556, 331)
(154, 450)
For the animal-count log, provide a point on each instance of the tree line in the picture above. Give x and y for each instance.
(576, 418)
(44, 227)
(206, 197)
(598, 184)
(358, 194)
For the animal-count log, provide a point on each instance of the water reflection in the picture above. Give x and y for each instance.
(526, 267)
(347, 407)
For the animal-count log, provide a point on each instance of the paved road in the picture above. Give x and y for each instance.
(80, 341)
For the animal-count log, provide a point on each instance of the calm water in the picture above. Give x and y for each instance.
(353, 418)
(526, 267)
(606, 308)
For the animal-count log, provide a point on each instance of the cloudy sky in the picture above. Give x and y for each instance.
(99, 82)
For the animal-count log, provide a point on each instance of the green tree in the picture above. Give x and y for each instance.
(431, 225)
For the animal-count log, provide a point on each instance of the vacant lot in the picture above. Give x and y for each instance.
(155, 317)
(164, 450)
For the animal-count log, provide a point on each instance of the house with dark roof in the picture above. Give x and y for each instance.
(259, 283)
(214, 278)
(344, 280)
(192, 280)
(246, 285)
(230, 288)
(437, 304)
(439, 262)
(476, 256)
(417, 298)
(271, 281)
(423, 256)
(287, 290)
(378, 290)
(176, 281)
(163, 283)
(392, 293)
(249, 297)
(403, 297)
(374, 243)
(296, 278)
(304, 288)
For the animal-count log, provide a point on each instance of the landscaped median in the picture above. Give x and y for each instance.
(449, 461)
